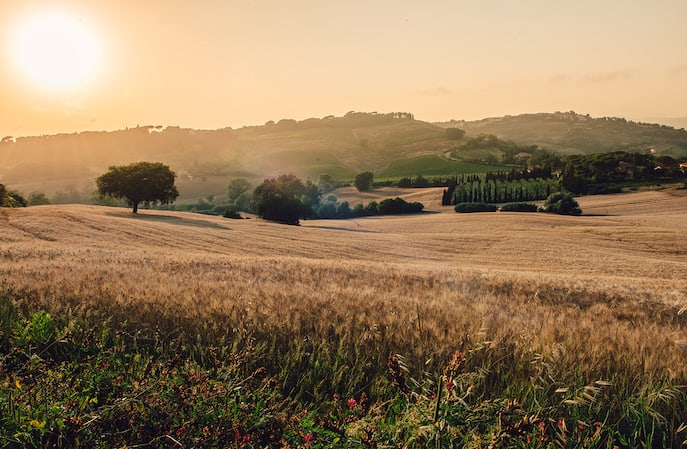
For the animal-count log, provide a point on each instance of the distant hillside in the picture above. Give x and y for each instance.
(569, 133)
(675, 122)
(391, 145)
(204, 160)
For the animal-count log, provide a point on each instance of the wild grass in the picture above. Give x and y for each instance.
(318, 310)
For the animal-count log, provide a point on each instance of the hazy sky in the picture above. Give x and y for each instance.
(216, 63)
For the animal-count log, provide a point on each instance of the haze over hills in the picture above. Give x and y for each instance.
(205, 160)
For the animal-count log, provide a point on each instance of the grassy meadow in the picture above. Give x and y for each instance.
(170, 329)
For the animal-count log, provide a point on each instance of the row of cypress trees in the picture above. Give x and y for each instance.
(500, 191)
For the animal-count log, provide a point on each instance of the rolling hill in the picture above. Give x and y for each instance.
(570, 133)
(234, 323)
(391, 145)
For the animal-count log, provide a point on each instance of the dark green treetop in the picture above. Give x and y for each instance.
(140, 182)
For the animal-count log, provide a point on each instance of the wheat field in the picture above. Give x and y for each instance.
(597, 292)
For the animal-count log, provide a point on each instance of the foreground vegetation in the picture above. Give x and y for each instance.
(93, 373)
(205, 344)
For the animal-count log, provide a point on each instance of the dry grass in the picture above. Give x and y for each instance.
(600, 293)
(430, 197)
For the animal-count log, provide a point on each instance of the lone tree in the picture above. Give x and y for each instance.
(140, 182)
(363, 181)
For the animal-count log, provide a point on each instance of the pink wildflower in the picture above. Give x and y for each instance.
(351, 403)
(307, 438)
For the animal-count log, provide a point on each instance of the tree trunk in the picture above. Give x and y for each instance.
(135, 208)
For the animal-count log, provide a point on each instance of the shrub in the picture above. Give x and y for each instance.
(562, 203)
(363, 181)
(343, 210)
(10, 198)
(391, 206)
(38, 198)
(475, 207)
(232, 212)
(327, 209)
(372, 208)
(519, 207)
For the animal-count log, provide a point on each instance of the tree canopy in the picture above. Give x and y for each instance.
(10, 198)
(284, 199)
(140, 182)
(562, 203)
(363, 181)
(237, 187)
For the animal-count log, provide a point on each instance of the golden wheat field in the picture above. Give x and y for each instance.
(599, 292)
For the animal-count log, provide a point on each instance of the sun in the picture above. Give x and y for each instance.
(56, 50)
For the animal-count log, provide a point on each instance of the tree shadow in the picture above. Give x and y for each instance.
(171, 219)
(338, 228)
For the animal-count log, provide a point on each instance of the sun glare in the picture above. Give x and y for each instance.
(57, 51)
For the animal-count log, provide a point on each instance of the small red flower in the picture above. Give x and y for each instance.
(581, 427)
(351, 403)
(307, 438)
(432, 397)
(542, 426)
(561, 424)
(449, 385)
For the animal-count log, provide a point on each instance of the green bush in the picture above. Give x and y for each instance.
(38, 198)
(232, 212)
(562, 203)
(393, 206)
(475, 207)
(519, 207)
(10, 198)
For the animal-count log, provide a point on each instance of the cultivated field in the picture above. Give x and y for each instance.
(538, 302)
(619, 274)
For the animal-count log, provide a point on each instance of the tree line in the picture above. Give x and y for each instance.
(500, 191)
(287, 199)
(604, 172)
(284, 199)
